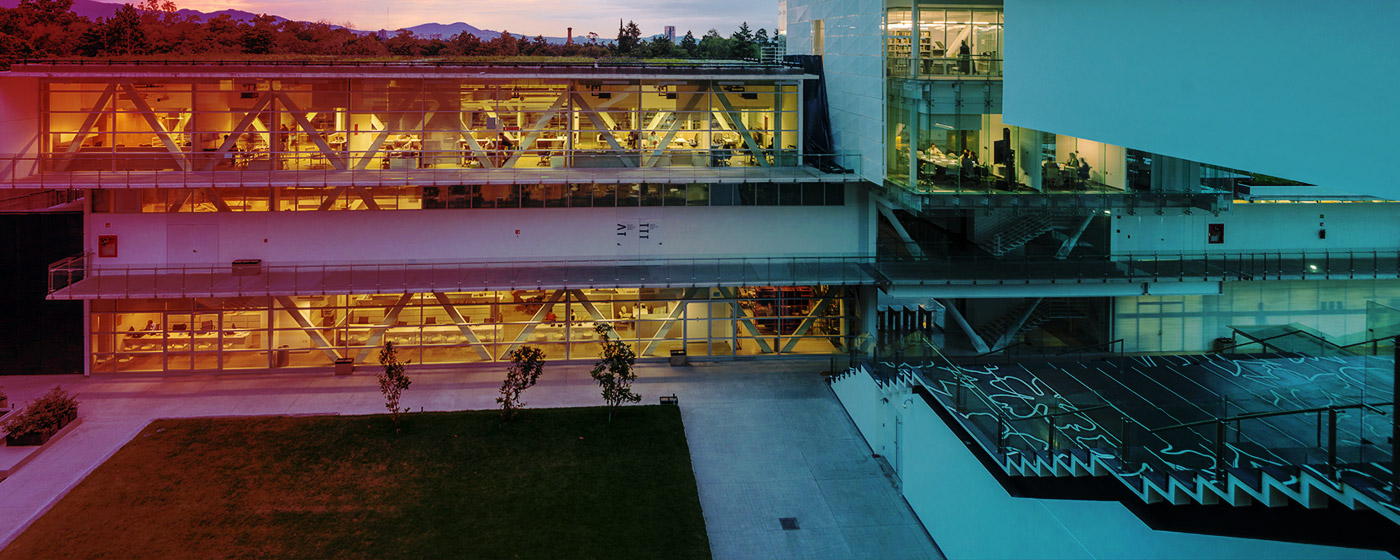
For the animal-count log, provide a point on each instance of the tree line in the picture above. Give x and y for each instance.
(50, 28)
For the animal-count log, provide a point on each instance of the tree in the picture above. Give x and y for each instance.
(404, 43)
(713, 46)
(124, 32)
(613, 372)
(259, 37)
(392, 380)
(526, 363)
(689, 45)
(742, 42)
(628, 37)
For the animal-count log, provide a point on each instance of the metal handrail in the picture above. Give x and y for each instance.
(1263, 340)
(1119, 342)
(1271, 413)
(1372, 341)
(1050, 415)
(1123, 269)
(1221, 423)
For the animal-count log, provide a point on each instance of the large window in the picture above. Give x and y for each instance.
(393, 124)
(312, 331)
(945, 41)
(307, 199)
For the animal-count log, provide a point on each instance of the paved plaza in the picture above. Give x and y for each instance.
(767, 441)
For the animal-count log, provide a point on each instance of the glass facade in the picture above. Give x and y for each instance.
(153, 335)
(304, 199)
(358, 124)
(946, 42)
(932, 151)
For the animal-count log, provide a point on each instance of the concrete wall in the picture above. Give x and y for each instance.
(504, 234)
(1262, 227)
(853, 60)
(861, 397)
(1291, 88)
(970, 515)
(1188, 323)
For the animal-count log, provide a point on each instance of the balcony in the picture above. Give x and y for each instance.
(75, 279)
(78, 277)
(971, 67)
(161, 169)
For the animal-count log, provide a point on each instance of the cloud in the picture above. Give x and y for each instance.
(530, 17)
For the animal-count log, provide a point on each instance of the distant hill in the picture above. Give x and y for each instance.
(94, 10)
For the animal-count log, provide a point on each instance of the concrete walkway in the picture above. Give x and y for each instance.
(767, 440)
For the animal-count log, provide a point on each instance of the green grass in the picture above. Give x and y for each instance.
(555, 483)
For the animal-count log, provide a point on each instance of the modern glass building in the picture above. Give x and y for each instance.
(1111, 246)
(254, 216)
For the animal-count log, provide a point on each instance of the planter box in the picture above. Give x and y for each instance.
(344, 366)
(39, 438)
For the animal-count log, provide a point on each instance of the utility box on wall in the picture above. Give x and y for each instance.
(1215, 233)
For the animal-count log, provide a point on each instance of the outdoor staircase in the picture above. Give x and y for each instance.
(1312, 485)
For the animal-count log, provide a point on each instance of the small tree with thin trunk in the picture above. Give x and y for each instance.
(526, 364)
(613, 372)
(392, 380)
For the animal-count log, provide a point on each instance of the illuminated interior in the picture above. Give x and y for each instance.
(152, 335)
(363, 124)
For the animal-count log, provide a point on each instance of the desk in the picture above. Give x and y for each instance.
(181, 340)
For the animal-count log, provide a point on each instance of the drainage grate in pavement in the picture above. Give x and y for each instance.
(788, 523)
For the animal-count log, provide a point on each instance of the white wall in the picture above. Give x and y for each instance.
(1262, 227)
(853, 61)
(1292, 88)
(444, 235)
(19, 118)
(860, 396)
(970, 515)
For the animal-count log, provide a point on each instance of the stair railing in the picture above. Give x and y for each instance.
(1222, 423)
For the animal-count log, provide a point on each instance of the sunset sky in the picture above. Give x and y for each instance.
(529, 17)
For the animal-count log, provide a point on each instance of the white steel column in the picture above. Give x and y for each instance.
(312, 332)
(462, 325)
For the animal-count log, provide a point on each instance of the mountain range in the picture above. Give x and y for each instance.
(93, 10)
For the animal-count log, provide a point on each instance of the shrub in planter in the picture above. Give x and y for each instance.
(41, 418)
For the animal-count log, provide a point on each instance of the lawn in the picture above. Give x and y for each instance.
(555, 483)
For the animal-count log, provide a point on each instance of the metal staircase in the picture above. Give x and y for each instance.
(1041, 311)
(1075, 442)
(1015, 234)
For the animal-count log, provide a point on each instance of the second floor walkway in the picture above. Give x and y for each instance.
(79, 277)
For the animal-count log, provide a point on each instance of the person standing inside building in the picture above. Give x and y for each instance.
(964, 58)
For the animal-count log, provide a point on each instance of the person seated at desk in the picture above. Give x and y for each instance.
(719, 154)
(1073, 160)
(550, 317)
